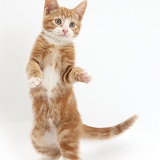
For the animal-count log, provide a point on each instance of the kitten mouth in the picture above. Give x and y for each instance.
(63, 35)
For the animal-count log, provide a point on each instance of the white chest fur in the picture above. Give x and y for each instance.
(51, 75)
(50, 79)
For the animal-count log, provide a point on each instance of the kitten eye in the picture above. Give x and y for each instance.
(72, 24)
(58, 21)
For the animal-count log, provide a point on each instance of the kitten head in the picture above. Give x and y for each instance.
(60, 24)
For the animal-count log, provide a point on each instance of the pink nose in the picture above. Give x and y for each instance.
(64, 31)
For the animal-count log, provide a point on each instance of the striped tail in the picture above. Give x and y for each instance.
(108, 132)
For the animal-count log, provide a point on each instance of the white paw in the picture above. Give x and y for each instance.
(84, 77)
(34, 82)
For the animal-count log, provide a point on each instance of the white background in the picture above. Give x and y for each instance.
(119, 46)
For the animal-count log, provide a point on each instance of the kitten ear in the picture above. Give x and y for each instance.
(50, 6)
(80, 9)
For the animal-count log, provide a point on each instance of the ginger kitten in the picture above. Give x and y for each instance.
(51, 73)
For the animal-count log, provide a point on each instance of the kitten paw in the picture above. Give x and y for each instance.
(83, 77)
(34, 82)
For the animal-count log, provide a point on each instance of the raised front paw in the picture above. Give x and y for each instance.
(83, 77)
(34, 82)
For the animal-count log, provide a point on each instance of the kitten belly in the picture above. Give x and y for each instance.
(48, 139)
(50, 79)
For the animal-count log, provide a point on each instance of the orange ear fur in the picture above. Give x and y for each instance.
(80, 9)
(50, 6)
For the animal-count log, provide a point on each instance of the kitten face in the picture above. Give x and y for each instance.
(62, 24)
(61, 27)
(63, 30)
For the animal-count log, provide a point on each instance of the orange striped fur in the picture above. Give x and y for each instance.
(51, 73)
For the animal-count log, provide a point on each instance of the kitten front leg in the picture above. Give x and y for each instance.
(75, 74)
(34, 74)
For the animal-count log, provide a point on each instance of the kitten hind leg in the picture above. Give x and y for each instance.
(69, 144)
(49, 154)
